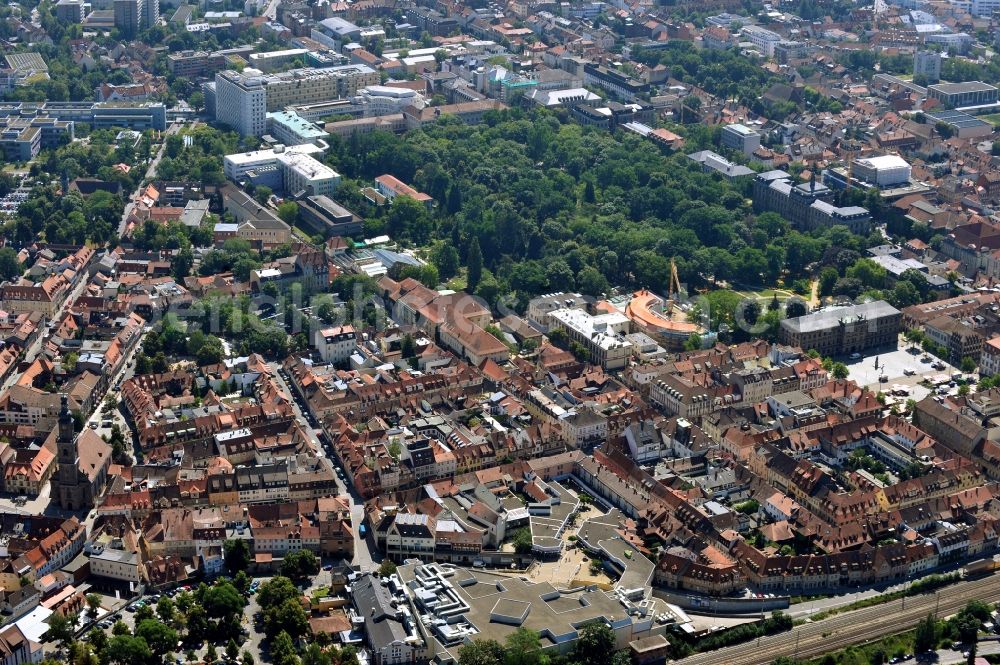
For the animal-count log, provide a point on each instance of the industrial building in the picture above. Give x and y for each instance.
(289, 129)
(457, 605)
(21, 138)
(962, 95)
(123, 115)
(964, 125)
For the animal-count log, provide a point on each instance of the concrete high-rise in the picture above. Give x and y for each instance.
(150, 13)
(134, 16)
(241, 101)
(928, 65)
(129, 17)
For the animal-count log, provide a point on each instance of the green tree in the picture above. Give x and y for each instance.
(315, 655)
(288, 212)
(591, 282)
(232, 650)
(795, 308)
(407, 347)
(869, 273)
(968, 365)
(276, 591)
(474, 261)
(237, 555)
(387, 568)
(481, 652)
(262, 193)
(488, 288)
(283, 650)
(408, 219)
(596, 645)
(693, 342)
(827, 279)
(10, 267)
(839, 370)
(128, 650)
(299, 564)
(93, 603)
(524, 647)
(521, 538)
(445, 257)
(926, 636)
(60, 629)
(165, 610)
(160, 637)
(221, 600)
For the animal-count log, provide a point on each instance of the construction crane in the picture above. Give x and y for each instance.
(673, 289)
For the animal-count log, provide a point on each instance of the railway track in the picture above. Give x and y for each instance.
(842, 630)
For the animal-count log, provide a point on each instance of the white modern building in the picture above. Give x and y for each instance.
(241, 101)
(740, 137)
(116, 565)
(385, 100)
(300, 171)
(765, 40)
(984, 7)
(883, 171)
(305, 175)
(238, 165)
(602, 335)
(290, 129)
(269, 61)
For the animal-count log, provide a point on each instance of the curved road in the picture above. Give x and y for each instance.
(842, 630)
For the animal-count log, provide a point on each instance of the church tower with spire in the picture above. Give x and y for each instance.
(84, 460)
(68, 453)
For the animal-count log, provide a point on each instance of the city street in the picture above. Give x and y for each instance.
(32, 351)
(363, 558)
(150, 173)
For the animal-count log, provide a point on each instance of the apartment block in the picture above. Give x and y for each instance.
(192, 64)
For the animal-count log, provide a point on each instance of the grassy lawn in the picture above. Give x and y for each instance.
(456, 283)
(766, 294)
(888, 647)
(991, 118)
